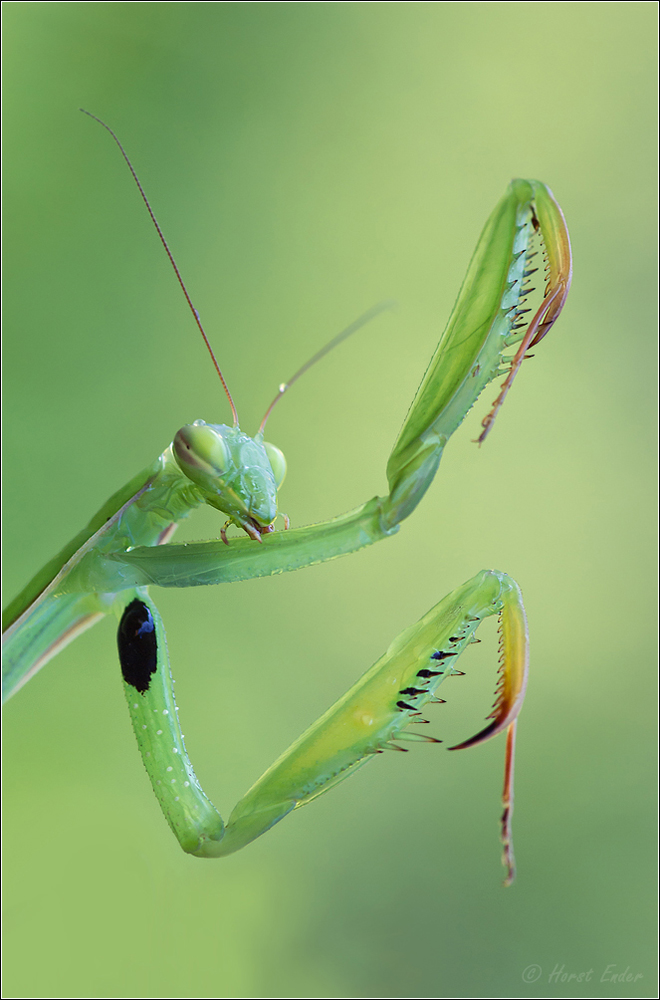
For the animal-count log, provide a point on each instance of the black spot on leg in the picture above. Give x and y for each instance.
(442, 656)
(136, 642)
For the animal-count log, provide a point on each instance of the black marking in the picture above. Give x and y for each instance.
(405, 706)
(442, 656)
(136, 642)
(412, 691)
(429, 673)
(455, 638)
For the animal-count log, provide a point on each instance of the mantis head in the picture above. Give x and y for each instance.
(237, 474)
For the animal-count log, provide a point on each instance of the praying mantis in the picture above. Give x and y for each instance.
(125, 549)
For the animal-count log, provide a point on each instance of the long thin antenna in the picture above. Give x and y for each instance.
(172, 260)
(356, 325)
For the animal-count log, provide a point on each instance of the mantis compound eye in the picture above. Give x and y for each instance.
(201, 453)
(277, 462)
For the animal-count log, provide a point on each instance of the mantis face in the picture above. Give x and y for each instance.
(237, 474)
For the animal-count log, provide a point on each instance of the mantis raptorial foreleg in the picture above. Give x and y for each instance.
(122, 551)
(373, 716)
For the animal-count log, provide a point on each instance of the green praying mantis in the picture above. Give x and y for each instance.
(109, 566)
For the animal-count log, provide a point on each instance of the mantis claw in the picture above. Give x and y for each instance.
(548, 220)
(514, 667)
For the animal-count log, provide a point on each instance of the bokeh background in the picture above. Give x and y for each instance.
(307, 160)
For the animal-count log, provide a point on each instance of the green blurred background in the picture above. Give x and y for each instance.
(307, 160)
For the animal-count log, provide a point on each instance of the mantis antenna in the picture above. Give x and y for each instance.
(171, 257)
(353, 328)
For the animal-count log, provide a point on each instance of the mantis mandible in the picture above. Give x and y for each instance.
(108, 567)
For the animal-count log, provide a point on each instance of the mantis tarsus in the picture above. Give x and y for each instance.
(108, 566)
